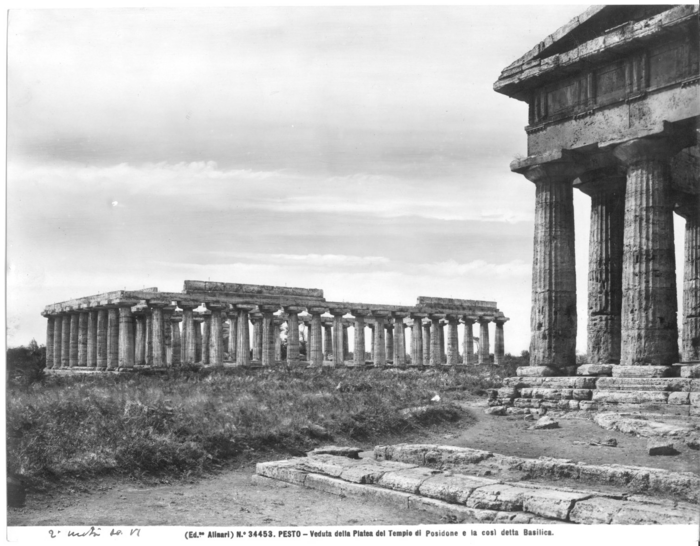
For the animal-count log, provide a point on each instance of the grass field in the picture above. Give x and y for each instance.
(188, 421)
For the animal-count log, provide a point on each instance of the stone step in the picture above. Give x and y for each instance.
(643, 371)
(684, 486)
(463, 496)
(556, 394)
(575, 382)
(670, 384)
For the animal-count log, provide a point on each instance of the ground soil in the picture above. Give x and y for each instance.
(230, 498)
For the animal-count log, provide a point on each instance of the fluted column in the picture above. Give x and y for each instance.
(102, 338)
(65, 340)
(372, 328)
(399, 341)
(359, 336)
(206, 337)
(327, 340)
(316, 360)
(468, 350)
(243, 355)
(346, 342)
(607, 192)
(187, 340)
(338, 342)
(499, 341)
(197, 321)
(649, 306)
(553, 316)
(690, 341)
(168, 334)
(443, 352)
(126, 335)
(484, 346)
(92, 339)
(435, 339)
(293, 334)
(427, 341)
(177, 341)
(417, 339)
(379, 342)
(148, 345)
(452, 340)
(256, 320)
(73, 352)
(57, 329)
(82, 338)
(389, 342)
(216, 334)
(268, 341)
(157, 334)
(277, 333)
(233, 334)
(49, 340)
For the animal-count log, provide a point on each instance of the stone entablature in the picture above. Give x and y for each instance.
(128, 329)
(614, 111)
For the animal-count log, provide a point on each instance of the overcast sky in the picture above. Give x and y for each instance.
(358, 150)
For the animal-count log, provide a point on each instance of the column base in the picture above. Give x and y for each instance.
(643, 371)
(596, 369)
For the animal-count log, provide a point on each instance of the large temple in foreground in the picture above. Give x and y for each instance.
(214, 322)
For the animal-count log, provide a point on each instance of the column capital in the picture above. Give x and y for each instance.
(175, 319)
(687, 205)
(436, 316)
(339, 311)
(380, 313)
(399, 314)
(245, 307)
(293, 309)
(486, 318)
(452, 317)
(418, 315)
(265, 308)
(316, 310)
(566, 171)
(122, 303)
(360, 312)
(469, 319)
(187, 305)
(255, 315)
(611, 180)
(216, 306)
(642, 149)
(501, 320)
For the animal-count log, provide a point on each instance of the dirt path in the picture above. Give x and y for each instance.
(231, 499)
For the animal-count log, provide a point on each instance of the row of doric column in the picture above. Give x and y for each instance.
(132, 334)
(632, 306)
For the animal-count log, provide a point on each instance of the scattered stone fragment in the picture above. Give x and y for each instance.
(661, 447)
(693, 442)
(545, 422)
(495, 410)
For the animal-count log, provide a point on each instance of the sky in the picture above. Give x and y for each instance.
(360, 150)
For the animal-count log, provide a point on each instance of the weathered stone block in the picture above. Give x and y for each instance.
(595, 511)
(508, 392)
(642, 371)
(587, 406)
(641, 514)
(582, 394)
(286, 471)
(661, 447)
(694, 399)
(340, 487)
(496, 410)
(536, 371)
(630, 397)
(498, 497)
(523, 411)
(406, 480)
(450, 456)
(669, 384)
(526, 403)
(691, 371)
(326, 464)
(679, 398)
(551, 503)
(595, 369)
(406, 453)
(455, 488)
(350, 452)
(370, 471)
(545, 422)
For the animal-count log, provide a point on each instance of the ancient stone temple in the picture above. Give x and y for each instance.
(614, 105)
(213, 323)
